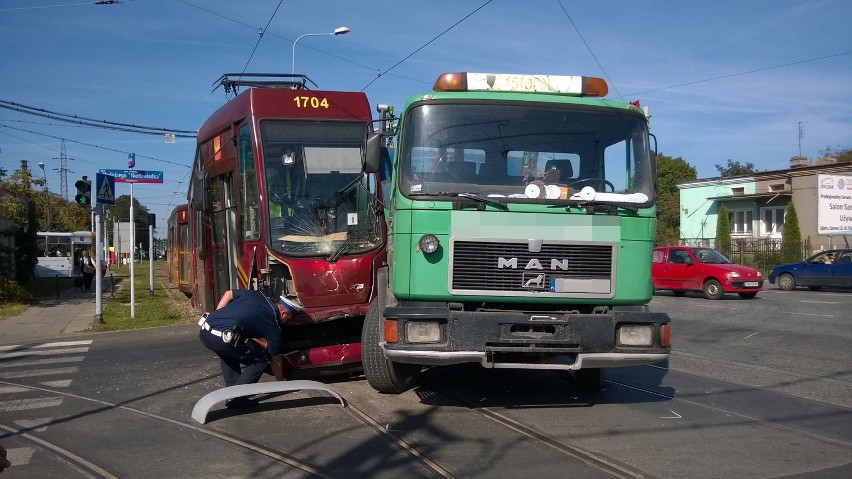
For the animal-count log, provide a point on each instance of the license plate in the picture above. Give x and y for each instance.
(751, 284)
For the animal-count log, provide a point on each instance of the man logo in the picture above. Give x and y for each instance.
(533, 280)
(512, 263)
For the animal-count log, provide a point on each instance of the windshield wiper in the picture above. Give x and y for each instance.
(344, 247)
(486, 201)
(469, 196)
(610, 207)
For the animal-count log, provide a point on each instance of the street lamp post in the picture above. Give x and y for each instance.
(337, 31)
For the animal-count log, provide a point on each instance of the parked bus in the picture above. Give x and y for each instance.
(278, 202)
(179, 250)
(523, 219)
(59, 253)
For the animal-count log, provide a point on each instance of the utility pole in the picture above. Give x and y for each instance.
(63, 172)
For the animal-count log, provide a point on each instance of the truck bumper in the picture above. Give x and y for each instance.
(530, 340)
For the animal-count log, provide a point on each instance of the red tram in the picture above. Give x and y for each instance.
(179, 253)
(279, 202)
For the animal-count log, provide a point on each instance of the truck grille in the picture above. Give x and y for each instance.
(580, 269)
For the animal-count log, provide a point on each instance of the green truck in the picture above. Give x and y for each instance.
(521, 222)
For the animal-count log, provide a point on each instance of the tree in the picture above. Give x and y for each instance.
(735, 168)
(17, 206)
(723, 231)
(791, 237)
(843, 156)
(670, 172)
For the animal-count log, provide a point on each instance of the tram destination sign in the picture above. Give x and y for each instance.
(134, 176)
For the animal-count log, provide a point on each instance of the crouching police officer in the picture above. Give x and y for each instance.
(245, 330)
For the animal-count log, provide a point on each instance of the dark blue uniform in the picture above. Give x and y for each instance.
(257, 317)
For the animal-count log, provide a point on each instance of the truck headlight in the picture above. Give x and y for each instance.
(423, 331)
(428, 243)
(635, 335)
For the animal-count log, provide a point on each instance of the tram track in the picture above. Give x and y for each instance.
(71, 458)
(90, 469)
(373, 421)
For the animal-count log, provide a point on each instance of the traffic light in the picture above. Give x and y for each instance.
(131, 160)
(84, 193)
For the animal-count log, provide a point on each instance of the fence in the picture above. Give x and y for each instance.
(760, 253)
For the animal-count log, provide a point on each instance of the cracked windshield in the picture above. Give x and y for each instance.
(319, 201)
(509, 153)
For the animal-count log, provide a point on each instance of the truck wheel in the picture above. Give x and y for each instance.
(713, 289)
(589, 380)
(786, 282)
(384, 375)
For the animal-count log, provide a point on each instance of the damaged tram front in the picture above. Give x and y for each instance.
(279, 202)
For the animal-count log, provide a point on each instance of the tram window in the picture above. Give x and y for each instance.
(248, 186)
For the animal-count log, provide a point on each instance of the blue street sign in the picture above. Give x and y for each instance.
(135, 176)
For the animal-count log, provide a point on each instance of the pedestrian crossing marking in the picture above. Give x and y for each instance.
(56, 344)
(37, 425)
(41, 362)
(12, 389)
(28, 404)
(20, 456)
(63, 383)
(49, 352)
(37, 372)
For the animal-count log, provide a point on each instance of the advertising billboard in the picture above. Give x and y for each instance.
(834, 205)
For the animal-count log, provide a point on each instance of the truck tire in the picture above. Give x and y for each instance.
(589, 380)
(383, 375)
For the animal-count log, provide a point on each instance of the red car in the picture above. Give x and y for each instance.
(686, 268)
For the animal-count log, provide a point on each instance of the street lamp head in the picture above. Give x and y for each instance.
(41, 165)
(337, 31)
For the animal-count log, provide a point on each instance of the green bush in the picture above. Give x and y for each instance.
(12, 292)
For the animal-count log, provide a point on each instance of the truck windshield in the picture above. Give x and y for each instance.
(520, 152)
(319, 201)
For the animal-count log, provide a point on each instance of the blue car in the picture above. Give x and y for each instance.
(828, 268)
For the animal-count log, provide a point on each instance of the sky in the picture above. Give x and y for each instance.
(751, 81)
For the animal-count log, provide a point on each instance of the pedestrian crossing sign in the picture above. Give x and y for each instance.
(105, 189)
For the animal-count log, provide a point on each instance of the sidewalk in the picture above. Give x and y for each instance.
(72, 313)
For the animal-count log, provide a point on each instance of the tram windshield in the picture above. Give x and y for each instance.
(319, 201)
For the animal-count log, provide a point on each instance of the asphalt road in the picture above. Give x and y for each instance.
(755, 388)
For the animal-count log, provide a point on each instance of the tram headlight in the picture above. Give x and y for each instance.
(635, 335)
(428, 243)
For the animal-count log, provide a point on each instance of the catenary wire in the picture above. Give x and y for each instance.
(380, 74)
(589, 49)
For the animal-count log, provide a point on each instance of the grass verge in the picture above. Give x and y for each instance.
(167, 306)
(29, 294)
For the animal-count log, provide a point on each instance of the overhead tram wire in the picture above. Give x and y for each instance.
(260, 34)
(265, 32)
(743, 73)
(89, 145)
(80, 120)
(380, 74)
(44, 7)
(590, 50)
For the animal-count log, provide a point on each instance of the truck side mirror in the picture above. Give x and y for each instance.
(373, 155)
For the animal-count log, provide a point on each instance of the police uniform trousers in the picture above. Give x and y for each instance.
(233, 358)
